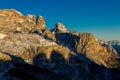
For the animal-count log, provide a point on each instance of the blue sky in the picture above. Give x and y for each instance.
(100, 17)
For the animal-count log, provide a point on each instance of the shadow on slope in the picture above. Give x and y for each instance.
(70, 67)
(67, 39)
(24, 71)
(64, 65)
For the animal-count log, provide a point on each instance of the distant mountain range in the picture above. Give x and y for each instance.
(115, 44)
(29, 51)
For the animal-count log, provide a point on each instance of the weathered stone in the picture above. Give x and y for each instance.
(49, 35)
(92, 49)
(12, 21)
(24, 46)
(59, 28)
(40, 23)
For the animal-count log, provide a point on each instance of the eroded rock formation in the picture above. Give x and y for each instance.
(59, 28)
(89, 46)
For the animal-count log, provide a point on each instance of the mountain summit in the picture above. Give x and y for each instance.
(59, 28)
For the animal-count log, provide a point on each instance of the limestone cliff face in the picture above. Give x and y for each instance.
(40, 23)
(49, 35)
(59, 28)
(109, 47)
(12, 21)
(89, 46)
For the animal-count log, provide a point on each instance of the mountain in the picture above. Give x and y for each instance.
(116, 45)
(109, 47)
(59, 28)
(114, 42)
(29, 51)
(12, 21)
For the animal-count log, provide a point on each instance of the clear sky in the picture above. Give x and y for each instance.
(100, 17)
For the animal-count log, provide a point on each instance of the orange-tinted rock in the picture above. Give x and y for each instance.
(92, 49)
(12, 21)
(40, 23)
(49, 35)
(59, 28)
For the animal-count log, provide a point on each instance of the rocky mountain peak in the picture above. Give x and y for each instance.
(12, 11)
(12, 21)
(116, 45)
(89, 46)
(114, 42)
(40, 23)
(85, 42)
(108, 46)
(60, 28)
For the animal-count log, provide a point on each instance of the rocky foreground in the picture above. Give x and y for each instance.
(29, 51)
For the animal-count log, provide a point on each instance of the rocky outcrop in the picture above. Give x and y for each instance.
(109, 47)
(12, 21)
(49, 35)
(59, 28)
(40, 23)
(64, 37)
(89, 46)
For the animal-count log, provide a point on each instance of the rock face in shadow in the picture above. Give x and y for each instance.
(60, 60)
(30, 72)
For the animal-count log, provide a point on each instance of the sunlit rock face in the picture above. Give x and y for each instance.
(89, 46)
(13, 21)
(59, 28)
(40, 23)
(110, 48)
